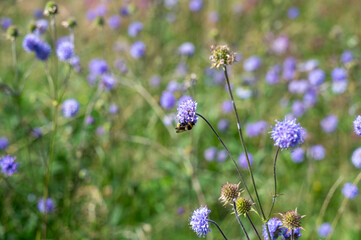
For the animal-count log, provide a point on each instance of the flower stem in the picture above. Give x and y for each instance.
(275, 183)
(254, 228)
(292, 235)
(15, 62)
(211, 221)
(239, 220)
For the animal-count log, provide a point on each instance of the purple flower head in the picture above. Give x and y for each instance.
(173, 86)
(222, 156)
(89, 120)
(317, 152)
(339, 74)
(98, 66)
(170, 3)
(47, 206)
(137, 50)
(36, 132)
(308, 65)
(298, 108)
(329, 124)
(242, 160)
(293, 12)
(121, 66)
(41, 26)
(124, 11)
(287, 233)
(155, 80)
(298, 155)
(210, 154)
(273, 75)
(113, 109)
(70, 108)
(75, 63)
(274, 226)
(310, 98)
(256, 128)
(280, 45)
(252, 64)
(8, 165)
(135, 28)
(227, 107)
(339, 86)
(180, 210)
(324, 229)
(199, 221)
(43, 51)
(4, 143)
(6, 23)
(167, 100)
(63, 39)
(357, 125)
(195, 5)
(108, 81)
(33, 43)
(184, 98)
(287, 134)
(356, 158)
(101, 10)
(100, 131)
(38, 13)
(223, 125)
(349, 190)
(65, 51)
(316, 77)
(298, 87)
(213, 16)
(114, 22)
(187, 111)
(289, 68)
(186, 49)
(346, 57)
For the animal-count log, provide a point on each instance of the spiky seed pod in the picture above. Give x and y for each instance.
(291, 219)
(70, 23)
(12, 33)
(243, 205)
(50, 8)
(229, 192)
(221, 55)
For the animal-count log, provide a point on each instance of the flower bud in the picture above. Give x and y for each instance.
(70, 23)
(50, 9)
(12, 32)
(243, 205)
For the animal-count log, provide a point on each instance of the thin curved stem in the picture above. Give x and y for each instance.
(239, 220)
(229, 154)
(211, 221)
(254, 228)
(275, 183)
(242, 141)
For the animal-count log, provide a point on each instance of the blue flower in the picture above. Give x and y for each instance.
(98, 66)
(223, 125)
(287, 134)
(65, 50)
(4, 143)
(33, 43)
(167, 100)
(47, 206)
(289, 68)
(317, 152)
(329, 124)
(346, 57)
(70, 108)
(274, 227)
(222, 155)
(287, 233)
(41, 26)
(339, 74)
(195, 5)
(8, 165)
(324, 229)
(356, 158)
(210, 154)
(187, 111)
(137, 50)
(357, 125)
(293, 12)
(349, 190)
(242, 160)
(252, 64)
(297, 155)
(135, 28)
(298, 87)
(199, 221)
(316, 77)
(6, 23)
(36, 132)
(108, 81)
(113, 109)
(186, 49)
(272, 76)
(256, 128)
(114, 21)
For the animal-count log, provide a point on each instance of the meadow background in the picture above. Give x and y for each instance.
(128, 175)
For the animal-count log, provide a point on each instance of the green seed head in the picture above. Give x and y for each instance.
(12, 32)
(50, 9)
(243, 205)
(229, 192)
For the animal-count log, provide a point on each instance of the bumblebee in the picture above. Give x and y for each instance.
(182, 127)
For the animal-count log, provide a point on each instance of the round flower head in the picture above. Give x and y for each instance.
(4, 143)
(273, 75)
(8, 165)
(184, 98)
(280, 45)
(339, 74)
(187, 112)
(317, 152)
(310, 98)
(210, 154)
(287, 134)
(293, 12)
(70, 108)
(186, 49)
(316, 77)
(113, 109)
(221, 55)
(108, 81)
(298, 108)
(252, 64)
(350, 191)
(298, 87)
(65, 50)
(324, 230)
(242, 160)
(256, 128)
(291, 219)
(137, 50)
(287, 233)
(227, 107)
(289, 68)
(223, 125)
(6, 23)
(33, 43)
(229, 192)
(195, 5)
(36, 132)
(346, 57)
(98, 66)
(41, 26)
(243, 205)
(274, 227)
(135, 28)
(357, 125)
(356, 158)
(47, 206)
(89, 120)
(199, 221)
(297, 155)
(329, 124)
(222, 156)
(114, 21)
(167, 100)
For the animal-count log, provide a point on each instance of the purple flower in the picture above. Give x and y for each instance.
(298, 87)
(273, 75)
(316, 77)
(98, 66)
(298, 109)
(100, 131)
(108, 81)
(124, 11)
(114, 22)
(308, 65)
(252, 64)
(135, 28)
(293, 12)
(242, 160)
(357, 125)
(280, 45)
(65, 50)
(6, 23)
(4, 143)
(113, 109)
(274, 226)
(38, 13)
(317, 152)
(223, 125)
(195, 5)
(173, 86)
(346, 57)
(187, 112)
(8, 165)
(256, 128)
(349, 190)
(298, 155)
(289, 68)
(70, 108)
(310, 98)
(137, 50)
(36, 132)
(167, 100)
(75, 63)
(227, 106)
(339, 74)
(329, 124)
(210, 154)
(33, 43)
(356, 158)
(222, 155)
(121, 66)
(47, 206)
(287, 233)
(89, 120)
(155, 80)
(41, 26)
(287, 134)
(324, 229)
(186, 49)
(213, 16)
(199, 221)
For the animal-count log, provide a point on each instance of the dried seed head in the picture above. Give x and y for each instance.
(291, 219)
(229, 192)
(221, 55)
(243, 205)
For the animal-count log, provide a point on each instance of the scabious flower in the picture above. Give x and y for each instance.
(316, 77)
(229, 192)
(195, 5)
(298, 108)
(317, 152)
(223, 125)
(89, 120)
(356, 158)
(329, 124)
(291, 219)
(65, 50)
(187, 112)
(280, 45)
(114, 21)
(339, 83)
(242, 160)
(274, 227)
(135, 28)
(273, 75)
(297, 155)
(324, 229)
(293, 12)
(210, 154)
(33, 43)
(41, 26)
(287, 233)
(167, 100)
(222, 155)
(4, 143)
(252, 64)
(70, 108)
(8, 165)
(309, 65)
(47, 206)
(6, 23)
(199, 221)
(357, 125)
(310, 98)
(287, 134)
(186, 49)
(98, 66)
(346, 57)
(289, 68)
(137, 50)
(113, 109)
(221, 55)
(108, 81)
(349, 190)
(36, 132)
(243, 205)
(256, 128)
(227, 106)
(298, 87)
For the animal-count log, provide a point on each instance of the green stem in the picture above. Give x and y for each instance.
(239, 220)
(15, 62)
(254, 228)
(275, 184)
